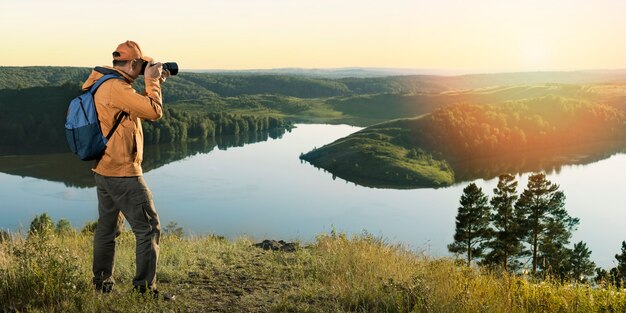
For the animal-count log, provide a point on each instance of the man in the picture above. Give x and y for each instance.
(120, 185)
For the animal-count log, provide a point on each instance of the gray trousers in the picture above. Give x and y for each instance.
(130, 197)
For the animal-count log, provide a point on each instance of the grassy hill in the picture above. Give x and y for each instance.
(51, 272)
(426, 151)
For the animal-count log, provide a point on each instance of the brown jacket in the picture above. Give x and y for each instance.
(124, 151)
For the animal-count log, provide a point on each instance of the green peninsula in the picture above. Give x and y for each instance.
(431, 150)
(383, 156)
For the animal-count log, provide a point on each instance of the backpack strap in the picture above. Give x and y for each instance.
(102, 79)
(93, 90)
(117, 123)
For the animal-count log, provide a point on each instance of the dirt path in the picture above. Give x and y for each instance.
(250, 285)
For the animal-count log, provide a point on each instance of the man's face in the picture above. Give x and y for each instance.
(134, 67)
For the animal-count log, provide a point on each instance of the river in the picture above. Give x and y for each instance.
(259, 188)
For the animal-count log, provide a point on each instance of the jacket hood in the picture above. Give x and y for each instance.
(100, 71)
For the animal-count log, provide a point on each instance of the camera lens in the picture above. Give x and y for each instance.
(171, 67)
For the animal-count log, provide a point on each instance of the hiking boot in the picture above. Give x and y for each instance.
(156, 294)
(163, 295)
(105, 287)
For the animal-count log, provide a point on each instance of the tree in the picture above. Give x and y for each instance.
(505, 244)
(63, 227)
(580, 262)
(547, 225)
(555, 256)
(610, 277)
(41, 224)
(620, 269)
(472, 223)
(614, 276)
(173, 229)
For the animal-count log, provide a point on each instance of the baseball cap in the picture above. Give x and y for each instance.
(129, 50)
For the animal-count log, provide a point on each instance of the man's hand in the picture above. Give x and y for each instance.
(154, 71)
(164, 75)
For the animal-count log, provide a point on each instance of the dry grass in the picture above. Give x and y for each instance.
(51, 273)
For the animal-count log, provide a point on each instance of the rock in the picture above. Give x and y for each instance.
(277, 245)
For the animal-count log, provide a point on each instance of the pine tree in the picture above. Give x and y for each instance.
(547, 225)
(555, 256)
(505, 244)
(620, 270)
(614, 276)
(472, 223)
(580, 262)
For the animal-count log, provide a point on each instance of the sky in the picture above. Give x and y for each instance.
(458, 35)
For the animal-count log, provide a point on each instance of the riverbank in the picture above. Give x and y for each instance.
(334, 274)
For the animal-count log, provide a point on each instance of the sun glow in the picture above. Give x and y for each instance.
(448, 34)
(536, 56)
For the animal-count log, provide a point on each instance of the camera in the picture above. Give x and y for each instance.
(171, 67)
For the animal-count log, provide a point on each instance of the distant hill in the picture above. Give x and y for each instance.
(184, 85)
(288, 83)
(343, 72)
(373, 72)
(40, 76)
(531, 78)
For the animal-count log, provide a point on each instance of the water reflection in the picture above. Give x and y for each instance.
(545, 160)
(68, 169)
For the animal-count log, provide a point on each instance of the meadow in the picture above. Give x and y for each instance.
(49, 271)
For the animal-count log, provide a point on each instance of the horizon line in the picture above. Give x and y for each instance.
(408, 70)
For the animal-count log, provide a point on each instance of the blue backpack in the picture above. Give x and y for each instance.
(82, 128)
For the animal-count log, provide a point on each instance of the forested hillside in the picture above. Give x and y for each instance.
(480, 130)
(425, 151)
(31, 121)
(40, 76)
(33, 103)
(33, 100)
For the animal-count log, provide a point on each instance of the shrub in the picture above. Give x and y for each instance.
(173, 229)
(4, 236)
(64, 227)
(89, 228)
(41, 224)
(41, 275)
